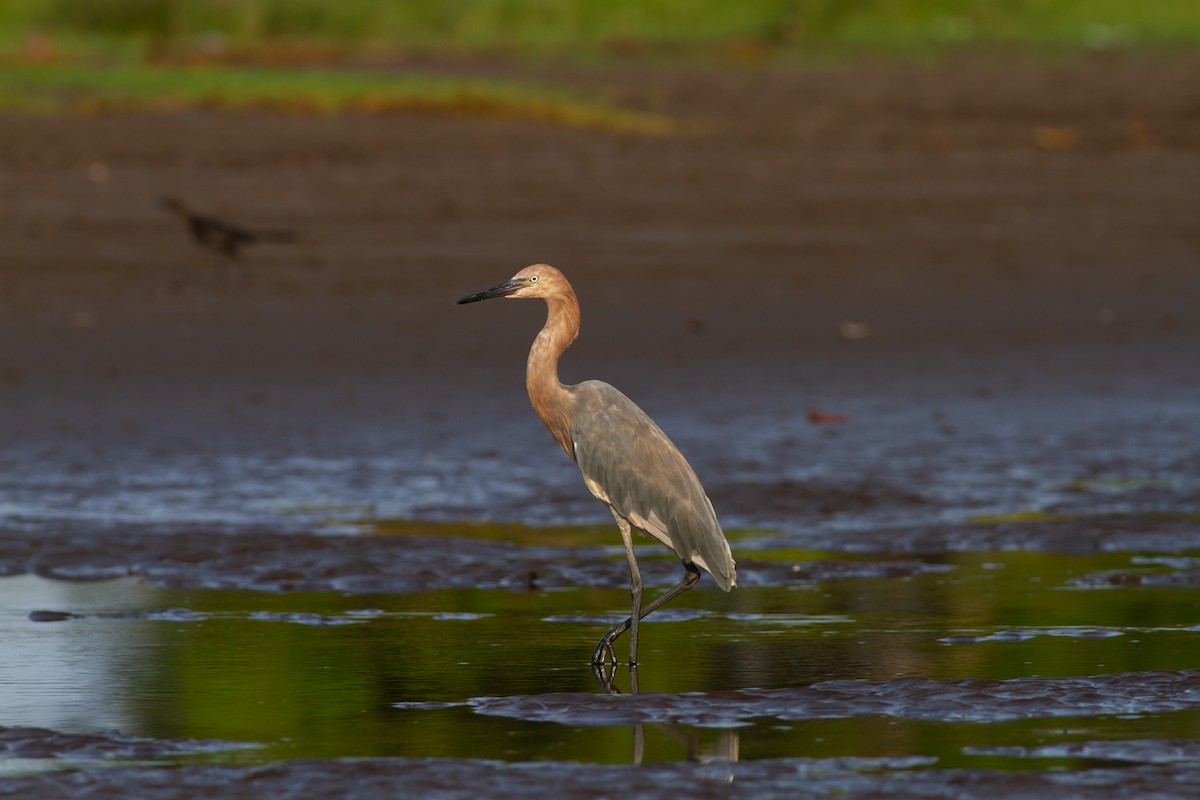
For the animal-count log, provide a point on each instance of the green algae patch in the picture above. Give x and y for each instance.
(528, 535)
(1019, 516)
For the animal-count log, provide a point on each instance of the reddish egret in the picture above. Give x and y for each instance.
(217, 234)
(626, 460)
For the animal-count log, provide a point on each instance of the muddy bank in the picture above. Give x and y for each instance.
(298, 562)
(435, 778)
(1020, 309)
(909, 698)
(961, 453)
(274, 562)
(37, 743)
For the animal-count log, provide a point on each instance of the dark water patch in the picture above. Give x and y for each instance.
(21, 742)
(906, 698)
(591, 619)
(443, 779)
(788, 620)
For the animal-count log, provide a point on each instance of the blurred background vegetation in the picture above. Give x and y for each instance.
(103, 55)
(596, 27)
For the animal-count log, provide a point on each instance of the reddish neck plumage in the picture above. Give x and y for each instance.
(550, 398)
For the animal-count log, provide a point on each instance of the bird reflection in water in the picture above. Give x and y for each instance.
(723, 751)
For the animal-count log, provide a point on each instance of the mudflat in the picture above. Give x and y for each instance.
(985, 200)
(808, 240)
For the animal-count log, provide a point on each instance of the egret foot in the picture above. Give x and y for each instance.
(606, 675)
(604, 652)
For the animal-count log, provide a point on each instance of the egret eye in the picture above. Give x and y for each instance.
(533, 278)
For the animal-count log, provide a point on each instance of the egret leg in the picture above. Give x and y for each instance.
(689, 580)
(605, 648)
(635, 589)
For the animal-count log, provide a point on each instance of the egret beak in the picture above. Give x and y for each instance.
(499, 290)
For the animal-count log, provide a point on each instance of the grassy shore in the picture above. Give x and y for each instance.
(135, 87)
(101, 55)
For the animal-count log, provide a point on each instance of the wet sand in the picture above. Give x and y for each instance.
(986, 272)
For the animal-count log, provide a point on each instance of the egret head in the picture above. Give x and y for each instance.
(538, 280)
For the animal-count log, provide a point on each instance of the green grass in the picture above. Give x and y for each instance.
(57, 88)
(50, 49)
(558, 26)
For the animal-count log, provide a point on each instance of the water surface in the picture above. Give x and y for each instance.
(957, 666)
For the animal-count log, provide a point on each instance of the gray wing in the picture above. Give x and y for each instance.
(630, 464)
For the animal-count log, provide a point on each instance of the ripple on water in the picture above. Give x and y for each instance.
(1025, 634)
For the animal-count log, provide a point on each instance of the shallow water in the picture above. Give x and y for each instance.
(992, 660)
